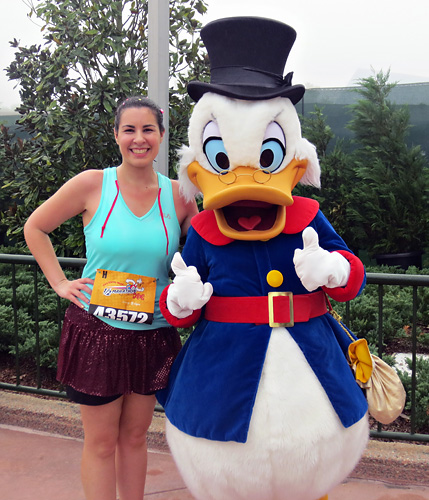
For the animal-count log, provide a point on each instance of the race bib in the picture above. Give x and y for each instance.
(123, 296)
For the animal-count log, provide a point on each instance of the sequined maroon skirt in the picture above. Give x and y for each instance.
(101, 360)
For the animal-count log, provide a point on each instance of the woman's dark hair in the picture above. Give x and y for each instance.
(139, 102)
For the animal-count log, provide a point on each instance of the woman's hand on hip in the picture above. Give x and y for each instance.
(72, 290)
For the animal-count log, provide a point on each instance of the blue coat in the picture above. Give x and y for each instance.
(214, 380)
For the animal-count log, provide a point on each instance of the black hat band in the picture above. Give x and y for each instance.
(238, 75)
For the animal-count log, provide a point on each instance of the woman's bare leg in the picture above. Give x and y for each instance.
(101, 427)
(131, 452)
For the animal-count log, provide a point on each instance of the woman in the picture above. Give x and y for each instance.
(133, 218)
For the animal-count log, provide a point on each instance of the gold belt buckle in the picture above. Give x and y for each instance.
(271, 296)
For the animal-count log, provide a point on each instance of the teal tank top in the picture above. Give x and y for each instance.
(139, 245)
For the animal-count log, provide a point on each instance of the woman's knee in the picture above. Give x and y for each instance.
(101, 445)
(135, 420)
(134, 436)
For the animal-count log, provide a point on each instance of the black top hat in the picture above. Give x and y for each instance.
(247, 59)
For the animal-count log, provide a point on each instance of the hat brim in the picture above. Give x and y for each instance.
(246, 92)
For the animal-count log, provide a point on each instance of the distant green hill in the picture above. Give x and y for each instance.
(10, 122)
(335, 102)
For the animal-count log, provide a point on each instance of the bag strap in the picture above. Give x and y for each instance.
(337, 317)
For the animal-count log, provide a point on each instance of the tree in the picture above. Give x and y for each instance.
(317, 131)
(392, 190)
(376, 195)
(95, 53)
(6, 203)
(337, 176)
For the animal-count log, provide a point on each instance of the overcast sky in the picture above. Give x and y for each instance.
(337, 41)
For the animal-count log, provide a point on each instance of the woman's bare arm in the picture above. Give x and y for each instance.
(75, 197)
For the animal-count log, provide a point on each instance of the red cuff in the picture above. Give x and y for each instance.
(177, 322)
(356, 279)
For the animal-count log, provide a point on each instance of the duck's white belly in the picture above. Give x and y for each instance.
(297, 448)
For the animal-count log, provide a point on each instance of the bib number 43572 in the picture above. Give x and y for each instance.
(120, 314)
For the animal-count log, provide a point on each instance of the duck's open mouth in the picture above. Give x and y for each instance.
(249, 215)
(251, 220)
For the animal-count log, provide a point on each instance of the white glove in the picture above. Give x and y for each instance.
(187, 292)
(317, 267)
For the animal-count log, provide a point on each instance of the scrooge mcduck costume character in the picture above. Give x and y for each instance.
(261, 402)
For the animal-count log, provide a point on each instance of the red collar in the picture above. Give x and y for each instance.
(298, 217)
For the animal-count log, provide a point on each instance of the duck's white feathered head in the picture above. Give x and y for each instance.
(245, 158)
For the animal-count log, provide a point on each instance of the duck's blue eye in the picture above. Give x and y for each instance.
(216, 154)
(272, 154)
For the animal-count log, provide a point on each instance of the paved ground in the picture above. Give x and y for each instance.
(41, 442)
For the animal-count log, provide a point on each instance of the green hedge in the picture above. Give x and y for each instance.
(25, 310)
(397, 310)
(422, 392)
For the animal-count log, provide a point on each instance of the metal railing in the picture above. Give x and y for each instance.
(379, 279)
(414, 281)
(14, 261)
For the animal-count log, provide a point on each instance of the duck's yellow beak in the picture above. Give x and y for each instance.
(248, 203)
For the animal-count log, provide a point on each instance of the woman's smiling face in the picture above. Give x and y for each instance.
(138, 136)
